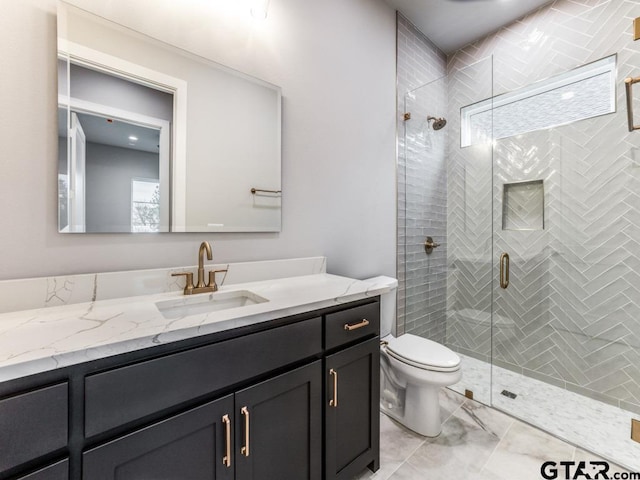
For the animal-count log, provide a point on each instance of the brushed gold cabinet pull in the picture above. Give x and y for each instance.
(245, 413)
(504, 270)
(334, 401)
(226, 460)
(355, 326)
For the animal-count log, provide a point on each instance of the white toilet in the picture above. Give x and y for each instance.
(412, 371)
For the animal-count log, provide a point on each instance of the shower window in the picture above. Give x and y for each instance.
(585, 92)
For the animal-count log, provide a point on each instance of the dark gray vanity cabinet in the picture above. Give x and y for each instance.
(279, 427)
(33, 424)
(57, 471)
(190, 446)
(269, 431)
(252, 403)
(352, 421)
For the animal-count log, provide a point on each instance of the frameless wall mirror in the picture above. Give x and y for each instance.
(155, 139)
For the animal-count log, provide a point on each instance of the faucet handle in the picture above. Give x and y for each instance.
(212, 278)
(188, 288)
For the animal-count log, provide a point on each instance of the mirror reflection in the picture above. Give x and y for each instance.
(154, 139)
(111, 150)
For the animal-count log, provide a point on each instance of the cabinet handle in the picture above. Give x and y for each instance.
(355, 326)
(226, 460)
(245, 413)
(334, 401)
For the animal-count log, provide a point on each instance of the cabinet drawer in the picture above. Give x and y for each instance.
(348, 325)
(33, 424)
(57, 471)
(126, 394)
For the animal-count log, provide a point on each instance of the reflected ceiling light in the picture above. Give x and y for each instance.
(259, 9)
(568, 95)
(133, 138)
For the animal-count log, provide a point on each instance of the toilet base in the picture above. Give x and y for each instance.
(421, 410)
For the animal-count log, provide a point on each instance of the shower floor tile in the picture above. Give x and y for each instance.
(477, 443)
(593, 425)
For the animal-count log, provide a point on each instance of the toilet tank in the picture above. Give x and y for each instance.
(387, 304)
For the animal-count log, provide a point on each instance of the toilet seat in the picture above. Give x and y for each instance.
(423, 353)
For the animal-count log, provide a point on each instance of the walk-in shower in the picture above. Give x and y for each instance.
(537, 162)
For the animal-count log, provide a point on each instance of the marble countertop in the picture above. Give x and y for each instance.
(39, 340)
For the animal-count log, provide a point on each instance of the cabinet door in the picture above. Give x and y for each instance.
(188, 446)
(351, 410)
(279, 427)
(57, 471)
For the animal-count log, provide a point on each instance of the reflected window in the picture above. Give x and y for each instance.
(145, 205)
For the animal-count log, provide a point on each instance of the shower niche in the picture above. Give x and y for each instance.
(523, 205)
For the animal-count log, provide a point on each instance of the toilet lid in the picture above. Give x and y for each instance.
(423, 353)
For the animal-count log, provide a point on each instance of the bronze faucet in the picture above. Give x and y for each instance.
(200, 286)
(204, 246)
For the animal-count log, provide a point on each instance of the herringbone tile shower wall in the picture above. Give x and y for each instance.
(571, 315)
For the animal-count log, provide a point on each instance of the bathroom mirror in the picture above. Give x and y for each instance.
(155, 139)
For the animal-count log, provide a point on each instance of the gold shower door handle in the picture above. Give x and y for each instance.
(628, 84)
(226, 460)
(334, 401)
(504, 270)
(245, 413)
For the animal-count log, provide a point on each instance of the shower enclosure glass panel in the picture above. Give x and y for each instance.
(469, 216)
(445, 194)
(566, 335)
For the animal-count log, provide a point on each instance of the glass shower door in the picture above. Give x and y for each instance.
(566, 212)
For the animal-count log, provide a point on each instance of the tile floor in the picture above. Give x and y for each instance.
(476, 443)
(595, 426)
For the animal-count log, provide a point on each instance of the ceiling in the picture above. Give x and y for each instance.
(452, 24)
(116, 133)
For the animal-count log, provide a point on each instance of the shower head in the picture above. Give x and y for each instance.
(438, 123)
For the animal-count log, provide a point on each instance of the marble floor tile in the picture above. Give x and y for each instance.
(397, 443)
(477, 443)
(490, 420)
(462, 449)
(586, 422)
(523, 450)
(584, 456)
(583, 421)
(408, 472)
(450, 401)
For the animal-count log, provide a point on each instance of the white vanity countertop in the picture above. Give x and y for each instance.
(35, 341)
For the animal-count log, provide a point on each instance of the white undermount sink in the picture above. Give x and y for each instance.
(205, 303)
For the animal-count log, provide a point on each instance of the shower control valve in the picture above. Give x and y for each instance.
(429, 245)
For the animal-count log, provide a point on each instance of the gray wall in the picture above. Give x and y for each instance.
(335, 61)
(422, 195)
(109, 174)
